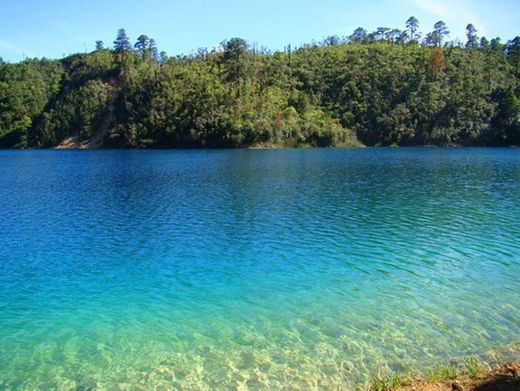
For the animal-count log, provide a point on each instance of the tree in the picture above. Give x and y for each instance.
(513, 48)
(507, 120)
(513, 54)
(402, 38)
(440, 32)
(484, 43)
(331, 40)
(358, 36)
(396, 36)
(122, 42)
(152, 47)
(496, 44)
(235, 47)
(436, 62)
(381, 33)
(99, 45)
(163, 57)
(471, 33)
(430, 39)
(2, 61)
(142, 45)
(234, 52)
(412, 25)
(233, 96)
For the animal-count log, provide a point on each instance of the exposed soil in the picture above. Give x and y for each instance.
(505, 378)
(69, 143)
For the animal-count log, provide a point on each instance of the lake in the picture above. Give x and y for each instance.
(258, 269)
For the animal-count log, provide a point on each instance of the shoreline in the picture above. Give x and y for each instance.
(260, 148)
(474, 376)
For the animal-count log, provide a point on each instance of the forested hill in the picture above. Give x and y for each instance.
(381, 88)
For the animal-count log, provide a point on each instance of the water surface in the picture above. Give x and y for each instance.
(254, 269)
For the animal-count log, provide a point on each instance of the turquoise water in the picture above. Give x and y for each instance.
(254, 269)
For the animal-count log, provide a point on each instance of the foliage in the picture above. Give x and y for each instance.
(442, 373)
(390, 382)
(473, 367)
(383, 87)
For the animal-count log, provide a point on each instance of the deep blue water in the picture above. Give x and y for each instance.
(257, 269)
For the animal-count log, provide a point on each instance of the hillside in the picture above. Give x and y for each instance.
(337, 93)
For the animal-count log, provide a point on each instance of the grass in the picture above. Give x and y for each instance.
(471, 371)
(390, 382)
(473, 367)
(442, 374)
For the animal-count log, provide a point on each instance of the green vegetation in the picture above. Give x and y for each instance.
(503, 377)
(390, 382)
(387, 87)
(473, 367)
(442, 373)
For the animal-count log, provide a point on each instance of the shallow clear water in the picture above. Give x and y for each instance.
(256, 269)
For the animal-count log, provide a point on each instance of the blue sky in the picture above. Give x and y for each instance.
(51, 28)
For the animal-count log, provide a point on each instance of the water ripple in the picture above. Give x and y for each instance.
(254, 269)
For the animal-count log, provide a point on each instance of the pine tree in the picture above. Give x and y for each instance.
(471, 33)
(122, 42)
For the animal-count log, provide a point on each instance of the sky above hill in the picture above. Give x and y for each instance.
(53, 29)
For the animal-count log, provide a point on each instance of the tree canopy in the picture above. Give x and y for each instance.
(383, 87)
(122, 42)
